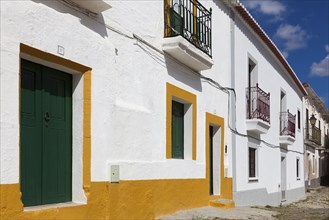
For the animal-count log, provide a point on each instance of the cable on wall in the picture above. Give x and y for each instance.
(210, 81)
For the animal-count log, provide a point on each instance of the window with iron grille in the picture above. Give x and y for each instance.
(298, 119)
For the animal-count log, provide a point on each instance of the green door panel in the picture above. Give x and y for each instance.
(30, 131)
(57, 162)
(211, 171)
(46, 131)
(177, 130)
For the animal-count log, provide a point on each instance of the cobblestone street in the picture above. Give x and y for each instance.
(315, 205)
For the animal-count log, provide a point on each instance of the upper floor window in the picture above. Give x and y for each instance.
(298, 168)
(252, 159)
(191, 20)
(258, 101)
(298, 119)
(313, 167)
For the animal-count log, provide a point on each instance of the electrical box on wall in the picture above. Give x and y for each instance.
(226, 172)
(115, 173)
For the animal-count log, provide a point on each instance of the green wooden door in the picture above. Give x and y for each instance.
(211, 170)
(177, 130)
(46, 131)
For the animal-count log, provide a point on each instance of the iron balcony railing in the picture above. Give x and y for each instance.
(314, 134)
(191, 20)
(258, 104)
(287, 124)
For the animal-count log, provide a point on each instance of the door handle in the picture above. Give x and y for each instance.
(47, 117)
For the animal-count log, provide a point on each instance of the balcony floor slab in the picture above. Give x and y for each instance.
(257, 126)
(286, 140)
(185, 52)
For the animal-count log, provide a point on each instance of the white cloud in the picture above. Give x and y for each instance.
(327, 48)
(268, 7)
(294, 37)
(321, 68)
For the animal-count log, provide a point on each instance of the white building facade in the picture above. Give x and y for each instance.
(316, 139)
(268, 155)
(142, 100)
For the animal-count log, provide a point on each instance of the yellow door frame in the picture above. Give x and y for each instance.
(225, 183)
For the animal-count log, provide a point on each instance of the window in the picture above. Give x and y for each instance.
(297, 169)
(283, 101)
(298, 119)
(313, 168)
(181, 124)
(177, 130)
(252, 163)
(307, 124)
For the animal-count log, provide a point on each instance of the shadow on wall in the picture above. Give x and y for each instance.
(183, 74)
(93, 25)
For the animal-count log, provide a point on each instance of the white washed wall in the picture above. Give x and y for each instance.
(271, 78)
(128, 83)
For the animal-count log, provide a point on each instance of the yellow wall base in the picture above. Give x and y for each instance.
(125, 200)
(222, 204)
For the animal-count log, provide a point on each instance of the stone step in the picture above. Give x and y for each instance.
(222, 203)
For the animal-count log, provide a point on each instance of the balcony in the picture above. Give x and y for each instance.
(188, 33)
(314, 134)
(287, 128)
(258, 110)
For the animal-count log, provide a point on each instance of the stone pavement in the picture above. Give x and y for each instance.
(315, 205)
(211, 213)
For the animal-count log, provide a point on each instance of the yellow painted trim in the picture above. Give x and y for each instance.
(218, 121)
(166, 18)
(155, 198)
(195, 22)
(224, 205)
(225, 183)
(53, 58)
(87, 131)
(174, 91)
(227, 188)
(86, 71)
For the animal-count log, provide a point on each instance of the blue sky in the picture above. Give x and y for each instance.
(300, 29)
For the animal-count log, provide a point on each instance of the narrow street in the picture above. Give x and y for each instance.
(315, 205)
